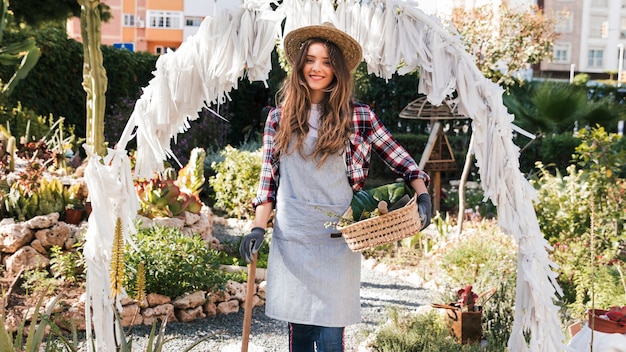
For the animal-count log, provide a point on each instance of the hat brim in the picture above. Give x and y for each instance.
(350, 48)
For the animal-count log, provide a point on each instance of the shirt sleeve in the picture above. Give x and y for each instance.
(394, 154)
(268, 182)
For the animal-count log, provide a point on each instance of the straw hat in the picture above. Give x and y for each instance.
(350, 48)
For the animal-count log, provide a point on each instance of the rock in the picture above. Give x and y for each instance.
(217, 297)
(257, 302)
(13, 236)
(158, 312)
(191, 218)
(261, 290)
(177, 223)
(191, 300)
(228, 307)
(36, 244)
(210, 309)
(131, 315)
(54, 236)
(187, 315)
(155, 299)
(43, 221)
(236, 290)
(71, 318)
(26, 258)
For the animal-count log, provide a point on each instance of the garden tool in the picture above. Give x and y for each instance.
(247, 317)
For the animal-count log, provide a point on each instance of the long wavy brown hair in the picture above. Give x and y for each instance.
(335, 122)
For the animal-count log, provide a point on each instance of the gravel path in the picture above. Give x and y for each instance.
(379, 290)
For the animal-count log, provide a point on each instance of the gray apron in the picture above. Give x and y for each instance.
(312, 278)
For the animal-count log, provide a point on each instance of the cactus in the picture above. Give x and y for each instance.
(163, 198)
(33, 195)
(94, 74)
(191, 177)
(10, 150)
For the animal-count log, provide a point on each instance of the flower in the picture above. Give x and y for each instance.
(467, 298)
(617, 314)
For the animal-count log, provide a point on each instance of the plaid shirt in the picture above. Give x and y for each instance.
(369, 133)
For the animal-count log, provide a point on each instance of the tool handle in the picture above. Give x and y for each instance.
(247, 314)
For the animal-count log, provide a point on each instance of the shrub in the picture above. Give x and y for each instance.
(416, 333)
(482, 259)
(580, 214)
(175, 263)
(235, 181)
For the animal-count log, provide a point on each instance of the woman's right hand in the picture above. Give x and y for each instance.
(251, 243)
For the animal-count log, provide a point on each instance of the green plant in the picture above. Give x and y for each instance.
(36, 332)
(580, 214)
(483, 258)
(173, 193)
(32, 194)
(38, 281)
(163, 198)
(235, 181)
(23, 55)
(498, 315)
(418, 332)
(68, 266)
(175, 263)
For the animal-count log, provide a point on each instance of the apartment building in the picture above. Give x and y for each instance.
(592, 35)
(153, 25)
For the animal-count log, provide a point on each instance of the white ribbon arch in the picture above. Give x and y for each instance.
(396, 36)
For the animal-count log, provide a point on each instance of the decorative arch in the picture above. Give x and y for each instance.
(397, 37)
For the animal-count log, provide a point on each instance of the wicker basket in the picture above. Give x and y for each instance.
(386, 228)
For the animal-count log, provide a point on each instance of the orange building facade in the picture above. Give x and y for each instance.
(154, 26)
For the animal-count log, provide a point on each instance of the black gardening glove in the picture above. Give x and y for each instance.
(424, 209)
(251, 243)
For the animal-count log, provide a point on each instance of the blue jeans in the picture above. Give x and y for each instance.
(305, 338)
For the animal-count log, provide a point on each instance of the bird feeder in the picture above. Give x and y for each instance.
(437, 156)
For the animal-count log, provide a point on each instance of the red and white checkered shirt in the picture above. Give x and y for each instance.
(368, 133)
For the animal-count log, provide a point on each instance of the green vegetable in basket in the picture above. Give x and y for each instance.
(362, 201)
(391, 193)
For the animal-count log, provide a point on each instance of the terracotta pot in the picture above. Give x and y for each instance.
(74, 216)
(605, 325)
(87, 210)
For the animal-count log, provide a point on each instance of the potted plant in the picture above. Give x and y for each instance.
(74, 213)
(464, 317)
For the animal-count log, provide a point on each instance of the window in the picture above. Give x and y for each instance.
(165, 19)
(564, 21)
(594, 58)
(160, 50)
(622, 28)
(561, 53)
(598, 27)
(129, 20)
(193, 21)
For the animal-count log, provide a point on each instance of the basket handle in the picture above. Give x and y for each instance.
(444, 306)
(486, 295)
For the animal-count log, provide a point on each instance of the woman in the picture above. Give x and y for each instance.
(318, 143)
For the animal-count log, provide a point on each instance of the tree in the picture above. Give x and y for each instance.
(36, 13)
(505, 40)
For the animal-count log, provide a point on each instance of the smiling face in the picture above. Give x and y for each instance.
(318, 71)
